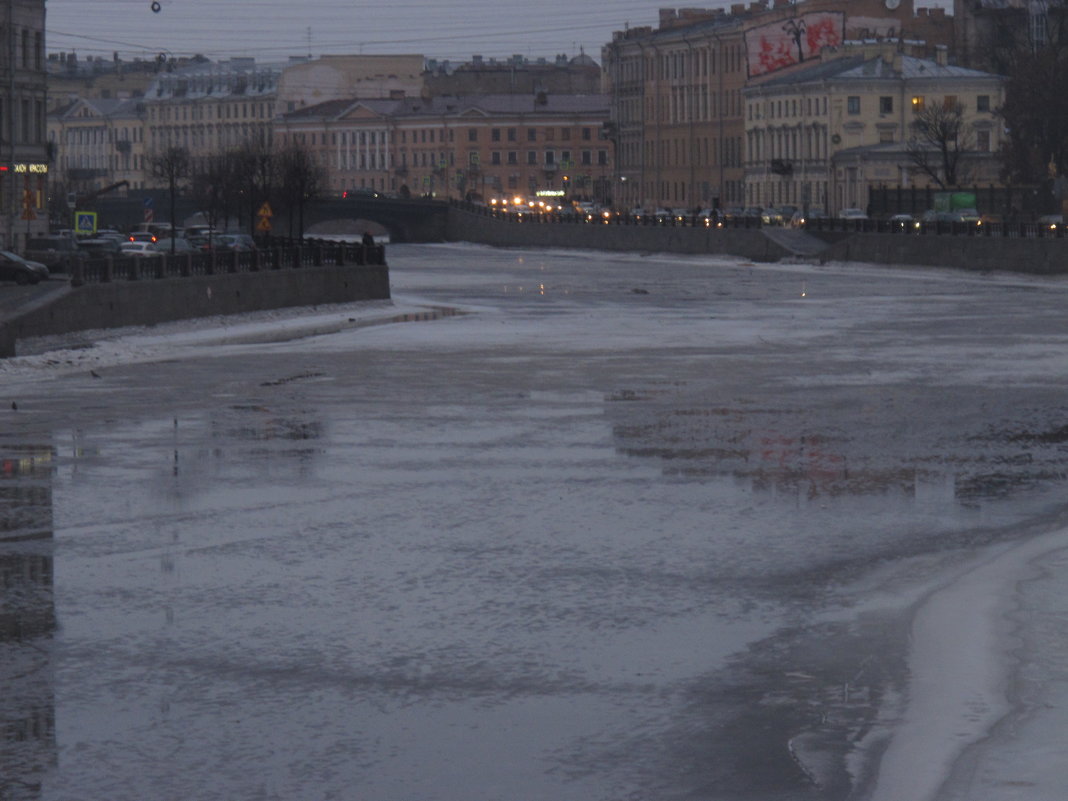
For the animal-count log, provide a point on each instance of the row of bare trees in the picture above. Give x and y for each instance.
(235, 183)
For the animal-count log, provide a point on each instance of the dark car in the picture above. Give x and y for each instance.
(14, 267)
(361, 193)
(238, 242)
(57, 253)
(98, 248)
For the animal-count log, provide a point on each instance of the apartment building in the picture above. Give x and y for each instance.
(23, 147)
(677, 112)
(824, 135)
(209, 107)
(97, 142)
(460, 147)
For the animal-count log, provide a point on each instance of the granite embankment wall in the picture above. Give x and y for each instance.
(465, 226)
(1045, 256)
(150, 301)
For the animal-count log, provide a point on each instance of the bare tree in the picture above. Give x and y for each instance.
(254, 169)
(939, 141)
(170, 165)
(300, 179)
(214, 188)
(1036, 115)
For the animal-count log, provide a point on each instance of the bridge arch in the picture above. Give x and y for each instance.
(405, 220)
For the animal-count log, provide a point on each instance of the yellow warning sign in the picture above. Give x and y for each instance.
(265, 210)
(264, 224)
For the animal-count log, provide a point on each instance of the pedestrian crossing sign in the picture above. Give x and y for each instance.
(84, 223)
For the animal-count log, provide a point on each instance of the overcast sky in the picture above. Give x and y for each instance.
(277, 29)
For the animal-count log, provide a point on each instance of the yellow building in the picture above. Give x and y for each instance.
(677, 110)
(824, 135)
(211, 107)
(97, 143)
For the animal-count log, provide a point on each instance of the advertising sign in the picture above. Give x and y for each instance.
(778, 45)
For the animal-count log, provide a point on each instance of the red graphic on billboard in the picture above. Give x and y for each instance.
(778, 45)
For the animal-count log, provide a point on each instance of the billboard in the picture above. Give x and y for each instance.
(778, 45)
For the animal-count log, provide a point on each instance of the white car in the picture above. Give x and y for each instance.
(143, 249)
(852, 214)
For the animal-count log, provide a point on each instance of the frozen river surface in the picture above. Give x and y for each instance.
(550, 526)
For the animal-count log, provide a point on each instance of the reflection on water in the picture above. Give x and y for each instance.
(27, 619)
(931, 454)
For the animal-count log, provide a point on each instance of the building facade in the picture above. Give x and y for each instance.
(824, 135)
(23, 146)
(677, 110)
(210, 107)
(97, 143)
(460, 147)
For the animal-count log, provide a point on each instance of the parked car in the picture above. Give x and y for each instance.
(771, 216)
(110, 233)
(201, 231)
(852, 214)
(57, 253)
(361, 193)
(141, 249)
(141, 236)
(14, 267)
(163, 245)
(97, 248)
(239, 242)
(798, 219)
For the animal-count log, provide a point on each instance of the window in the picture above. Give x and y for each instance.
(511, 134)
(853, 104)
(949, 102)
(982, 141)
(532, 134)
(918, 102)
(532, 157)
(886, 105)
(495, 157)
(513, 157)
(472, 134)
(586, 134)
(550, 158)
(982, 103)
(587, 157)
(886, 137)
(565, 133)
(495, 134)
(602, 157)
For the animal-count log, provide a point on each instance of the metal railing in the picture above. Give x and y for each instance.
(1014, 230)
(281, 255)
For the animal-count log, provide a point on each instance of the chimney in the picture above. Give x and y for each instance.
(941, 55)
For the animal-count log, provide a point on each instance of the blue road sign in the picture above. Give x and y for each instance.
(85, 223)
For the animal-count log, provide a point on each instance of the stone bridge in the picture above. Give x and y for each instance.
(407, 220)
